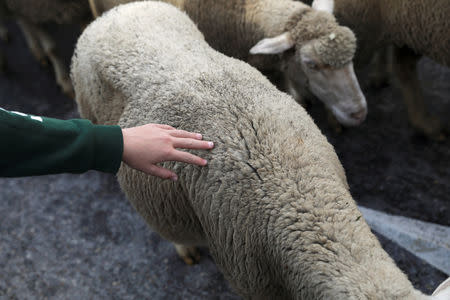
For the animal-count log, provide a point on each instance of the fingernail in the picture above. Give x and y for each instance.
(174, 177)
(205, 162)
(199, 136)
(210, 144)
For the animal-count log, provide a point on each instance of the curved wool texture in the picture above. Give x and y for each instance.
(337, 44)
(272, 204)
(337, 48)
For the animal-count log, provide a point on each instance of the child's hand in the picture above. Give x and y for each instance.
(147, 145)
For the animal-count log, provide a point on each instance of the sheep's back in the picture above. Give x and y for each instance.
(420, 25)
(423, 26)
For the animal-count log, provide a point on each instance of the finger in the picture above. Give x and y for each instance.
(188, 158)
(186, 134)
(161, 172)
(163, 126)
(192, 144)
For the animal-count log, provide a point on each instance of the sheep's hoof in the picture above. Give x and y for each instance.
(190, 255)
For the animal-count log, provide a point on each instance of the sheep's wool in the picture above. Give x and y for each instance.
(336, 44)
(272, 205)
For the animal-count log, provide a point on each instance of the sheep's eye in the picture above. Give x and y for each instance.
(312, 65)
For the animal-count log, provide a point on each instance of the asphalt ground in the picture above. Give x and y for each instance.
(77, 237)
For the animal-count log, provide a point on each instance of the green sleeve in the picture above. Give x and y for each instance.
(31, 145)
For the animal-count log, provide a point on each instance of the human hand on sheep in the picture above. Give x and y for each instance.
(145, 146)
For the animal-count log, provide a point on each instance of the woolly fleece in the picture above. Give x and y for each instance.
(240, 24)
(272, 204)
(336, 45)
(423, 26)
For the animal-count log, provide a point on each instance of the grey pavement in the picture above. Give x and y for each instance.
(428, 241)
(77, 237)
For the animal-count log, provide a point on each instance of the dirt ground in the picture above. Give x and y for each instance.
(76, 236)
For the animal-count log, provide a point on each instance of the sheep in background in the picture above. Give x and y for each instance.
(416, 28)
(306, 44)
(31, 15)
(273, 204)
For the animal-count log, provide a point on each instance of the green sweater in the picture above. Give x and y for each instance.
(31, 145)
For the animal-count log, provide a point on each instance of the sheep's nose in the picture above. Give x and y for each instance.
(359, 115)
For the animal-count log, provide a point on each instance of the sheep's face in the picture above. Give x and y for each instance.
(322, 62)
(324, 66)
(336, 86)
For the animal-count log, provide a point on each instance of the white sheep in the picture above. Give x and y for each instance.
(416, 28)
(31, 15)
(273, 204)
(307, 45)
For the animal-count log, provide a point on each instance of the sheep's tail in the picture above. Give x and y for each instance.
(93, 7)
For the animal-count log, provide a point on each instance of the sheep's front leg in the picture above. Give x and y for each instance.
(189, 254)
(405, 69)
(42, 46)
(61, 73)
(32, 40)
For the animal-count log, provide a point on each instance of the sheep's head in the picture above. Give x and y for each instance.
(323, 53)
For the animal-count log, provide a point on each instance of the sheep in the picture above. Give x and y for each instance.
(273, 204)
(416, 28)
(306, 44)
(31, 15)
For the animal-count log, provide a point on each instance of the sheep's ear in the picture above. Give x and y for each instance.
(323, 5)
(273, 45)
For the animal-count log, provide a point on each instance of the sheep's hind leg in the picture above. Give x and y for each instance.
(405, 70)
(32, 40)
(189, 254)
(42, 46)
(61, 73)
